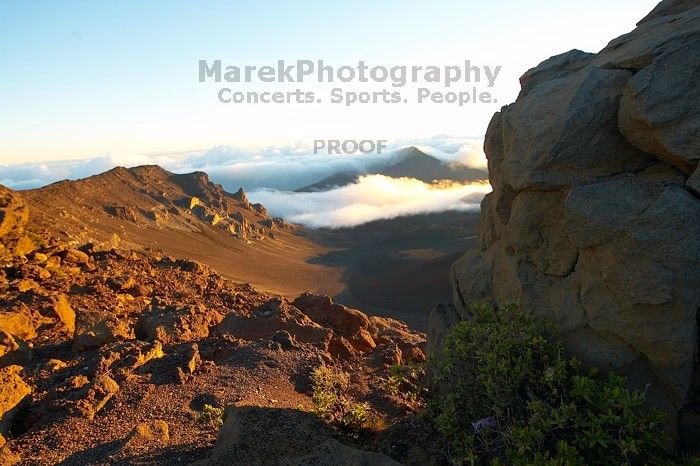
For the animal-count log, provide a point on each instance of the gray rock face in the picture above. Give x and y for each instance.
(659, 111)
(594, 218)
(562, 130)
(669, 7)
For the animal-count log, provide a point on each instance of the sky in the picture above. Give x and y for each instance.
(90, 79)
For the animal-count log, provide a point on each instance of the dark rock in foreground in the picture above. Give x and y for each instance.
(594, 219)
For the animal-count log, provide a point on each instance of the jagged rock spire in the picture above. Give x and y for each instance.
(241, 196)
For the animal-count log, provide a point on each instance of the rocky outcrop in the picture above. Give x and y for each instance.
(172, 325)
(65, 313)
(13, 392)
(241, 196)
(123, 213)
(350, 324)
(14, 215)
(242, 226)
(272, 317)
(94, 328)
(594, 215)
(336, 329)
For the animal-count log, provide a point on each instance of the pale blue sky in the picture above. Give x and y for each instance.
(81, 78)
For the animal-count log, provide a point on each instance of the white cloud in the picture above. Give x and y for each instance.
(281, 167)
(373, 197)
(468, 151)
(35, 175)
(271, 174)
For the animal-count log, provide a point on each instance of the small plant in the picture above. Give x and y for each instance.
(405, 381)
(332, 403)
(507, 393)
(356, 416)
(211, 416)
(329, 386)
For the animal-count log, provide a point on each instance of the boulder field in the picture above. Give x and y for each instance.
(112, 356)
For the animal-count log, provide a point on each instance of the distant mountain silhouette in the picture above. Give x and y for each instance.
(413, 163)
(421, 166)
(330, 182)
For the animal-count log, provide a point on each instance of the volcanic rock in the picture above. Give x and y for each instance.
(95, 396)
(176, 325)
(349, 323)
(274, 316)
(64, 312)
(593, 216)
(75, 257)
(146, 432)
(95, 328)
(13, 391)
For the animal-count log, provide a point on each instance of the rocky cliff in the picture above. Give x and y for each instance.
(594, 218)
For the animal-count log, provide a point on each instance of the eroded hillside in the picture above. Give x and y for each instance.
(186, 216)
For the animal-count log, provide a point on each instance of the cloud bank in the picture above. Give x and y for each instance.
(373, 197)
(36, 175)
(280, 168)
(271, 175)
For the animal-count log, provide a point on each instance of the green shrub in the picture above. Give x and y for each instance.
(329, 386)
(507, 392)
(332, 403)
(211, 416)
(405, 381)
(356, 416)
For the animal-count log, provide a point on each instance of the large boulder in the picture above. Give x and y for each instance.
(94, 396)
(669, 7)
(13, 391)
(562, 130)
(18, 324)
(659, 107)
(349, 323)
(262, 436)
(64, 312)
(176, 325)
(14, 215)
(97, 328)
(272, 317)
(594, 218)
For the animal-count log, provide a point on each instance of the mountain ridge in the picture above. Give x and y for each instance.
(187, 216)
(411, 163)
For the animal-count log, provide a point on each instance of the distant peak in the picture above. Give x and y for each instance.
(149, 170)
(412, 152)
(116, 170)
(201, 177)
